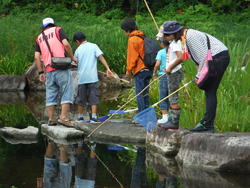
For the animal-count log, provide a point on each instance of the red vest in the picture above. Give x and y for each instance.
(56, 46)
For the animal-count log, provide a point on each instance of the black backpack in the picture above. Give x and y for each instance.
(151, 49)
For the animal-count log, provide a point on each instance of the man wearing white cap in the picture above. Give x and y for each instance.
(52, 42)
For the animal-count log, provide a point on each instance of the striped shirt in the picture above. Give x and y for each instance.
(197, 46)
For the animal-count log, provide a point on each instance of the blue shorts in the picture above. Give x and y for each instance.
(59, 83)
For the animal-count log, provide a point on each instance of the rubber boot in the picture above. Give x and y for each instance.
(173, 120)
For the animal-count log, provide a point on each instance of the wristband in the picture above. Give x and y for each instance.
(41, 72)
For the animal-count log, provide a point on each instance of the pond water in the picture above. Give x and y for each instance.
(104, 166)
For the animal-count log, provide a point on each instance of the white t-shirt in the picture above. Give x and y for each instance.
(171, 56)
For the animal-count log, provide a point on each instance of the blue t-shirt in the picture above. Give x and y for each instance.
(87, 54)
(161, 56)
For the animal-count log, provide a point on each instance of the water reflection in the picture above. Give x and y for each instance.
(139, 177)
(76, 166)
(170, 175)
(59, 160)
(85, 167)
(57, 169)
(166, 182)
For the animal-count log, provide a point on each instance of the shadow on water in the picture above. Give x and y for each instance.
(79, 165)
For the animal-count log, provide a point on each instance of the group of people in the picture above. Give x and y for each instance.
(177, 42)
(175, 39)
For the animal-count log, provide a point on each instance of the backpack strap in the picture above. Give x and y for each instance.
(142, 37)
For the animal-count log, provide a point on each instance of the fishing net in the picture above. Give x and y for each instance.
(147, 118)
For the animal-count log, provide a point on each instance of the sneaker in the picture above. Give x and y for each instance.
(80, 120)
(164, 119)
(94, 120)
(200, 127)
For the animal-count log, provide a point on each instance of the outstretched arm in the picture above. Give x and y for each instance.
(104, 62)
(69, 49)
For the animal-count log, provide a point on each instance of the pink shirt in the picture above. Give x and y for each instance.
(56, 46)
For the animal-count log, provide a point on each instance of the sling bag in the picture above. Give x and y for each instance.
(61, 63)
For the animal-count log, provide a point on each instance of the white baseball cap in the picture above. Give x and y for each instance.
(47, 21)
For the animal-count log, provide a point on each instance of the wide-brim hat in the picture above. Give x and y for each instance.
(47, 21)
(171, 27)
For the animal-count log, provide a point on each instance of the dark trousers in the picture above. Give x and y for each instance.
(142, 80)
(221, 61)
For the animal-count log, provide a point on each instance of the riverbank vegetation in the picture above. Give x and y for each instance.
(226, 20)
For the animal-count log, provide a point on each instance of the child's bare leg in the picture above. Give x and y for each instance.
(80, 109)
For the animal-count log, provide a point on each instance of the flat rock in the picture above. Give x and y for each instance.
(115, 132)
(61, 134)
(27, 135)
(12, 83)
(224, 152)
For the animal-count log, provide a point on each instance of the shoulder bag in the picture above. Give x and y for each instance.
(61, 63)
(208, 71)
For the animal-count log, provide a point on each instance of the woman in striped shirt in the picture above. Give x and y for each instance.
(197, 44)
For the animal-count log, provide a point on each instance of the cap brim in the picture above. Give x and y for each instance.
(172, 32)
(45, 25)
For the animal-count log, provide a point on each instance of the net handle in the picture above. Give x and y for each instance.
(185, 85)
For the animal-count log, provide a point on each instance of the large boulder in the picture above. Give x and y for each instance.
(12, 83)
(105, 82)
(166, 142)
(225, 152)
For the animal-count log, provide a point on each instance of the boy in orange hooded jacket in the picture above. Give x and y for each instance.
(135, 66)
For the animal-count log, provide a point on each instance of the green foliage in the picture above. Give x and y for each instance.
(5, 5)
(98, 7)
(16, 116)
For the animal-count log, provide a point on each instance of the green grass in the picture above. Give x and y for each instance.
(20, 29)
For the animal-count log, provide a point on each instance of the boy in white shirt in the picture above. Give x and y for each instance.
(88, 92)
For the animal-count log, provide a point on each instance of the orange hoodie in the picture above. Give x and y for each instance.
(135, 49)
